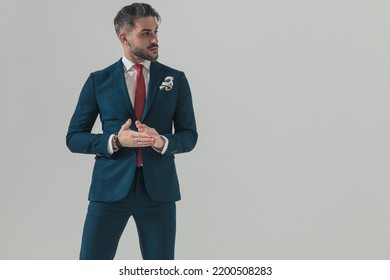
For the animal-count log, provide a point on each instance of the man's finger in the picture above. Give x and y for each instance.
(138, 124)
(140, 134)
(126, 125)
(146, 129)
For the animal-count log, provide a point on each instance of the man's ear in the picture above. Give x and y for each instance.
(123, 38)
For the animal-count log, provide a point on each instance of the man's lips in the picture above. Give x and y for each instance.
(153, 48)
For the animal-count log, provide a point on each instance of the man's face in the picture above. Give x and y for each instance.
(141, 43)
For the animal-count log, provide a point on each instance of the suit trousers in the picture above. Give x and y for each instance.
(106, 221)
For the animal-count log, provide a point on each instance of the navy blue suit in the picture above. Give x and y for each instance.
(105, 95)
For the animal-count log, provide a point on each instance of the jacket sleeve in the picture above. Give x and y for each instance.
(185, 135)
(79, 138)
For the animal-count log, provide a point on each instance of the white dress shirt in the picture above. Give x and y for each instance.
(130, 78)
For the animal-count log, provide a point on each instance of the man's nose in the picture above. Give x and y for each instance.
(154, 39)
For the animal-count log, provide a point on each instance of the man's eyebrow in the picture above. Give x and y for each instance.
(148, 29)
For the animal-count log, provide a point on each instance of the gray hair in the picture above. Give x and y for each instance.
(126, 17)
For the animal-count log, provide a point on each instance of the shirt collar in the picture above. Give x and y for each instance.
(128, 64)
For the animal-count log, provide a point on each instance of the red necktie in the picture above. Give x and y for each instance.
(140, 98)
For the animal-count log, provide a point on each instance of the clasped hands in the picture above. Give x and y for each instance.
(144, 137)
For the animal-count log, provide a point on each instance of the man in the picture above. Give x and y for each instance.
(147, 117)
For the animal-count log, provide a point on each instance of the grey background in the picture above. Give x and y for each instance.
(292, 104)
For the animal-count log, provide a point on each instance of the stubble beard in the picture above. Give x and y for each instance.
(142, 54)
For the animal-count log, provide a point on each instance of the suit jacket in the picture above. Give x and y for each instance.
(171, 113)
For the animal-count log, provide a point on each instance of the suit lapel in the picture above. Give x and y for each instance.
(118, 76)
(156, 73)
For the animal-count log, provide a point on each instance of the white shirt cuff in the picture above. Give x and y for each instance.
(110, 149)
(164, 149)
